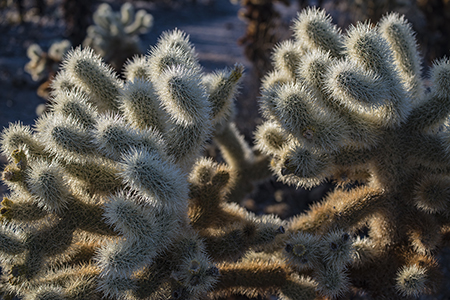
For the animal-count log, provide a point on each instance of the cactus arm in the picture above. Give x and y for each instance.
(314, 29)
(436, 107)
(398, 33)
(242, 160)
(89, 73)
(270, 278)
(333, 212)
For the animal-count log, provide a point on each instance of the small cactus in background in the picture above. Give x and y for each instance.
(45, 64)
(353, 108)
(115, 34)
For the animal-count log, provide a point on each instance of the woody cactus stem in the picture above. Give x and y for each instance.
(248, 164)
(352, 107)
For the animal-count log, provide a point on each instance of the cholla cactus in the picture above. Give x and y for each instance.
(107, 196)
(111, 199)
(45, 64)
(353, 108)
(115, 34)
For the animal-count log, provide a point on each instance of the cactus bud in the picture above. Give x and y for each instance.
(433, 194)
(412, 280)
(137, 68)
(302, 250)
(336, 249)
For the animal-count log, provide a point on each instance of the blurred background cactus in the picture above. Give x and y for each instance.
(264, 30)
(43, 67)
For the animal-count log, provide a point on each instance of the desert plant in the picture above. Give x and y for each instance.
(353, 108)
(44, 65)
(108, 197)
(115, 35)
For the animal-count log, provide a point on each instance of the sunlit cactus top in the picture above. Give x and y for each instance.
(337, 100)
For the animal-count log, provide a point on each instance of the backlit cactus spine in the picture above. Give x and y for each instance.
(353, 108)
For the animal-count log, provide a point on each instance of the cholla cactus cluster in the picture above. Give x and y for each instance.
(110, 197)
(115, 35)
(100, 189)
(353, 108)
